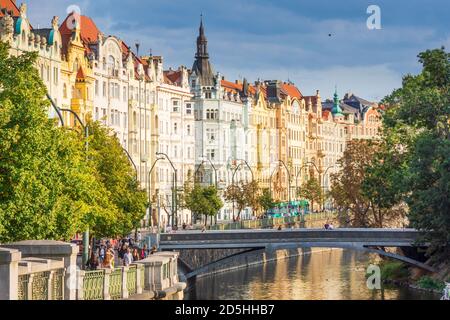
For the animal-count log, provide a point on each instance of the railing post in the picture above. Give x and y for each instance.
(49, 284)
(80, 284)
(9, 273)
(125, 294)
(30, 287)
(106, 283)
(138, 279)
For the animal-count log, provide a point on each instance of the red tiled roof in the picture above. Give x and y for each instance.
(174, 77)
(10, 6)
(292, 90)
(80, 74)
(88, 29)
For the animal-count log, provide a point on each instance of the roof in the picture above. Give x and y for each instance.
(9, 5)
(173, 77)
(88, 29)
(291, 90)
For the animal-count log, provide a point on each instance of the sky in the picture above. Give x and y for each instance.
(317, 44)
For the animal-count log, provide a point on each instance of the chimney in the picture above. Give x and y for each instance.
(273, 90)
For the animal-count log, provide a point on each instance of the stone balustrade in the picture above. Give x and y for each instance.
(46, 270)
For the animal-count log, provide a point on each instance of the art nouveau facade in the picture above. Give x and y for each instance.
(16, 29)
(267, 130)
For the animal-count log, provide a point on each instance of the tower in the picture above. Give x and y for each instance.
(202, 67)
(336, 111)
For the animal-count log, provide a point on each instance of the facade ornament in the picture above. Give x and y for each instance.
(23, 10)
(55, 23)
(6, 27)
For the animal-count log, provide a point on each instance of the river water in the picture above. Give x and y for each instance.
(324, 274)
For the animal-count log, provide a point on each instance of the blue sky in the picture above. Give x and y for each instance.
(283, 39)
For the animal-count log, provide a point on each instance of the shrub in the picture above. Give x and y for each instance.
(427, 282)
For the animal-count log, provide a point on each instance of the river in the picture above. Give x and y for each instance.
(323, 274)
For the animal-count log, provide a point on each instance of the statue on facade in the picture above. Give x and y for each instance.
(23, 10)
(6, 27)
(55, 23)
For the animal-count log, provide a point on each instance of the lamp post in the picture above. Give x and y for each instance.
(235, 171)
(289, 181)
(323, 185)
(85, 256)
(174, 190)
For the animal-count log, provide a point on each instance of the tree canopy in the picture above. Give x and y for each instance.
(417, 132)
(49, 187)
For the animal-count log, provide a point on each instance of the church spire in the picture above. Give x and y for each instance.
(337, 110)
(202, 42)
(202, 66)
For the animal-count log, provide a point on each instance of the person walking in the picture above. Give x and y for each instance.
(127, 258)
(108, 262)
(144, 252)
(136, 255)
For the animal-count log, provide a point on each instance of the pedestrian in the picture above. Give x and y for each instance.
(127, 258)
(331, 227)
(327, 226)
(108, 262)
(279, 227)
(101, 253)
(92, 264)
(144, 252)
(203, 229)
(135, 255)
(154, 250)
(184, 226)
(139, 237)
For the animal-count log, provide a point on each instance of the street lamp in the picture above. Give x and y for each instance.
(86, 133)
(174, 190)
(289, 182)
(236, 170)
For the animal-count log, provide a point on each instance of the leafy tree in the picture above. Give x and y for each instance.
(362, 189)
(47, 190)
(417, 125)
(312, 191)
(266, 201)
(116, 173)
(243, 195)
(203, 201)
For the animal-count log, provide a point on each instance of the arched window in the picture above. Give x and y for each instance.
(75, 65)
(111, 65)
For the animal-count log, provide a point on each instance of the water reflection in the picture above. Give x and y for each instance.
(320, 274)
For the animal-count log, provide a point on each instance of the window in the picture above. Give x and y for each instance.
(176, 107)
(55, 75)
(96, 87)
(208, 95)
(211, 154)
(193, 83)
(104, 89)
(175, 128)
(188, 130)
(188, 108)
(65, 91)
(124, 95)
(211, 135)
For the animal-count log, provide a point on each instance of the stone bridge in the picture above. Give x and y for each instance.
(201, 251)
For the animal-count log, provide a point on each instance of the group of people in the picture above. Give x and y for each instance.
(104, 256)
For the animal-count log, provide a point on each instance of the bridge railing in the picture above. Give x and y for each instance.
(273, 222)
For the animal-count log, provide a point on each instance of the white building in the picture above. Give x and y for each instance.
(221, 110)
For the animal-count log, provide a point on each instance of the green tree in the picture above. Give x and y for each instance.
(363, 190)
(417, 125)
(118, 176)
(47, 190)
(203, 201)
(243, 195)
(311, 191)
(266, 201)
